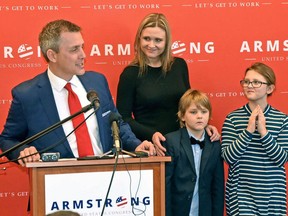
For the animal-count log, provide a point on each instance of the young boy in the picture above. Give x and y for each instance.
(195, 176)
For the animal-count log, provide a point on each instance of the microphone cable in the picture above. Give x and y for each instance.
(130, 189)
(141, 212)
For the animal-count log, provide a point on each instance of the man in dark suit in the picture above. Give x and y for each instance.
(195, 176)
(42, 101)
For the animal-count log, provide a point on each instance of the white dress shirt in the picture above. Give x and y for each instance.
(197, 153)
(61, 99)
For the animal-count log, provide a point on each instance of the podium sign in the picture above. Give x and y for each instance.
(85, 193)
(138, 186)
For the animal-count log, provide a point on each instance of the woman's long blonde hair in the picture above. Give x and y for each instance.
(140, 59)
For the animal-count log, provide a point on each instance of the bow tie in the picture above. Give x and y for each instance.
(194, 142)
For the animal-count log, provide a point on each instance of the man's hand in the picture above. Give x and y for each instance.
(146, 146)
(32, 158)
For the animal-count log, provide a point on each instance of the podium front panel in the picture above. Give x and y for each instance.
(152, 168)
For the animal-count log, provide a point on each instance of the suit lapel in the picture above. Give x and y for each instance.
(185, 142)
(88, 85)
(206, 153)
(46, 98)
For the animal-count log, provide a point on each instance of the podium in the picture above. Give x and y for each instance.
(40, 170)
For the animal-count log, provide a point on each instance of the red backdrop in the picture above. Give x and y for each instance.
(217, 39)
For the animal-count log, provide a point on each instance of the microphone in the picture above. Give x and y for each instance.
(92, 96)
(114, 119)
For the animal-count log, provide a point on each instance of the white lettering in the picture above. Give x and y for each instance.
(108, 49)
(95, 50)
(267, 46)
(258, 46)
(8, 52)
(245, 47)
(272, 46)
(47, 7)
(249, 4)
(124, 50)
(209, 47)
(285, 43)
(39, 51)
(196, 47)
(149, 6)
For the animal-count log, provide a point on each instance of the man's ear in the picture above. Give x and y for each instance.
(52, 55)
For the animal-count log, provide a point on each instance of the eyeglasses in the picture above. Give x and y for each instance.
(254, 83)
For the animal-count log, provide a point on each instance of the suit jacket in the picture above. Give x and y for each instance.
(181, 176)
(33, 109)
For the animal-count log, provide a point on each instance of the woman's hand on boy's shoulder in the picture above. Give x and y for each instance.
(213, 133)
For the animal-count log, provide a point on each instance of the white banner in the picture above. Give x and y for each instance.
(131, 193)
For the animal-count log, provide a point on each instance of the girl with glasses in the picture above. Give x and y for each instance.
(255, 145)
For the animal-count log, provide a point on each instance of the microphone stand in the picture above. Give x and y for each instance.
(47, 130)
(116, 151)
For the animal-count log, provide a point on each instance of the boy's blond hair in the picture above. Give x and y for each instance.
(197, 97)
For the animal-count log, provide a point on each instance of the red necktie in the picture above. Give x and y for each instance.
(82, 136)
